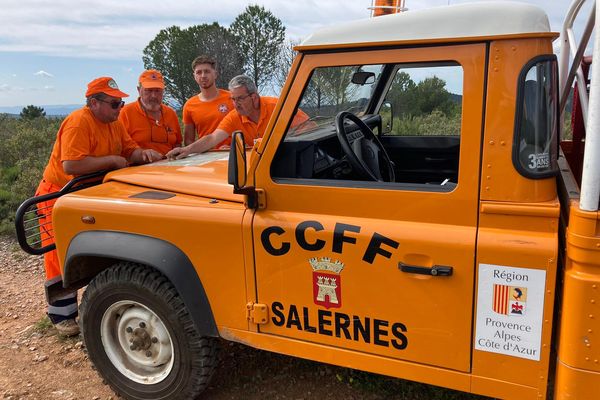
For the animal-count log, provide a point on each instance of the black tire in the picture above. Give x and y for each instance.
(140, 337)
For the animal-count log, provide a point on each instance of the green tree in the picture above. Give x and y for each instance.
(32, 112)
(402, 95)
(431, 94)
(173, 50)
(415, 99)
(260, 36)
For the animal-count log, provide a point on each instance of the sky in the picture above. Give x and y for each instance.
(50, 50)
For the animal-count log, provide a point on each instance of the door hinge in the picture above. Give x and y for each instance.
(255, 198)
(257, 313)
(261, 197)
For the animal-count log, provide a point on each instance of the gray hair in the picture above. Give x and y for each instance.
(97, 96)
(245, 81)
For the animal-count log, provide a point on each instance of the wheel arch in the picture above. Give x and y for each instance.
(91, 252)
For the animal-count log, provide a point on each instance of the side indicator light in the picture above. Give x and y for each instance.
(88, 219)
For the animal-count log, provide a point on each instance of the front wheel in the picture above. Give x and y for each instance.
(141, 338)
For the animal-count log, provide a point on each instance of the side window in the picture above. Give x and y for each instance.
(426, 100)
(536, 119)
(391, 124)
(424, 136)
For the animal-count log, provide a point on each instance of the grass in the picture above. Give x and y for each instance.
(43, 325)
(393, 388)
(245, 367)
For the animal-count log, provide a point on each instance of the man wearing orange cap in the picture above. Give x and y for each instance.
(149, 122)
(203, 112)
(90, 139)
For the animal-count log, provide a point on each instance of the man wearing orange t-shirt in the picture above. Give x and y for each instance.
(149, 122)
(89, 140)
(251, 116)
(203, 112)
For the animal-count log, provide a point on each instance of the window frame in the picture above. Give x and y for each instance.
(383, 87)
(553, 141)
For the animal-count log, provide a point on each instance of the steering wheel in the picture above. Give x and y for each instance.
(366, 154)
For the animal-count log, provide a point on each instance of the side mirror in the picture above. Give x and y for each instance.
(236, 174)
(387, 117)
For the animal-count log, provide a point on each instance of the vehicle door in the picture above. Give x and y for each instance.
(379, 267)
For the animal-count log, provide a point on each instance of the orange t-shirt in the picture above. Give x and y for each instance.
(148, 133)
(234, 121)
(81, 135)
(206, 115)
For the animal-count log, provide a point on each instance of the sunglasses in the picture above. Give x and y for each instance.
(113, 104)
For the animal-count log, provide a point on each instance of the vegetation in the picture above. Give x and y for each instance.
(43, 325)
(260, 36)
(25, 145)
(284, 64)
(424, 108)
(392, 388)
(252, 45)
(32, 112)
(173, 50)
(435, 123)
(567, 127)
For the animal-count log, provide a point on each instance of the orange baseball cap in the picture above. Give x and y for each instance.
(151, 79)
(106, 85)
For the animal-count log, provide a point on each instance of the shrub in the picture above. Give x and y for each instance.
(435, 123)
(25, 145)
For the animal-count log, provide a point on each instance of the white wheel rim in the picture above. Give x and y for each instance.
(137, 342)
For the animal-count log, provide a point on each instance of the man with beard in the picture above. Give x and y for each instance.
(203, 112)
(149, 122)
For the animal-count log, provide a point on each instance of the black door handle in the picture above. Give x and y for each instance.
(436, 270)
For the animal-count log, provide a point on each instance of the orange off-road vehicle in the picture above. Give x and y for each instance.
(430, 222)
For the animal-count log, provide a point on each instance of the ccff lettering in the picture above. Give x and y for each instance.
(277, 241)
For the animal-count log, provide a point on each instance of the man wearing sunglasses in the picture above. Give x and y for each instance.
(90, 139)
(149, 122)
(251, 116)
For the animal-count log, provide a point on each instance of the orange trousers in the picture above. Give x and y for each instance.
(51, 264)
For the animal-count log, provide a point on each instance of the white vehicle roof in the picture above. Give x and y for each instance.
(456, 21)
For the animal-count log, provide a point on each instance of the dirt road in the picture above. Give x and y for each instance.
(36, 364)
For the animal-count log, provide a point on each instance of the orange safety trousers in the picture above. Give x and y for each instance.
(51, 264)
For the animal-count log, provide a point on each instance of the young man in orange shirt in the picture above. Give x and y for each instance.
(89, 140)
(251, 116)
(203, 112)
(149, 122)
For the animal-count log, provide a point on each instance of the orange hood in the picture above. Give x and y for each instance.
(198, 175)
